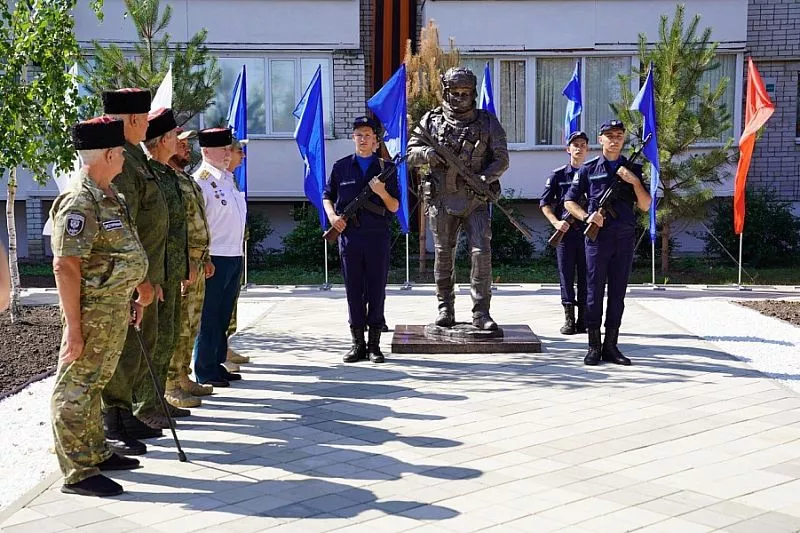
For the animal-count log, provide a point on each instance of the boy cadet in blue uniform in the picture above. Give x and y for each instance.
(570, 251)
(364, 241)
(609, 258)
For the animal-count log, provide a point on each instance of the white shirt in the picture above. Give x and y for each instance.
(226, 210)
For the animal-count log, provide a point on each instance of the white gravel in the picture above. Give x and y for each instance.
(26, 440)
(767, 344)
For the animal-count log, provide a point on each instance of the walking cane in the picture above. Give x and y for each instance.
(159, 393)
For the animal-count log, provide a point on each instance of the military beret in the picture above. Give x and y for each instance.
(577, 135)
(159, 122)
(98, 133)
(215, 137)
(613, 124)
(126, 102)
(360, 122)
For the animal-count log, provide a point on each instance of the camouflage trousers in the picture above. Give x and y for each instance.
(191, 309)
(169, 323)
(118, 392)
(75, 405)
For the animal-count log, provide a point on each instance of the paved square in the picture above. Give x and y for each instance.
(688, 439)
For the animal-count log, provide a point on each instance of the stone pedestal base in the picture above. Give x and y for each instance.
(516, 338)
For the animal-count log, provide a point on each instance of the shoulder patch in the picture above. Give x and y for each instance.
(548, 182)
(74, 224)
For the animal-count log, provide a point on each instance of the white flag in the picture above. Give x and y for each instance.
(163, 97)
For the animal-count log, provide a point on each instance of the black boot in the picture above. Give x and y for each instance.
(447, 316)
(569, 320)
(611, 353)
(135, 428)
(119, 462)
(595, 348)
(374, 345)
(580, 324)
(359, 349)
(98, 485)
(117, 437)
(482, 320)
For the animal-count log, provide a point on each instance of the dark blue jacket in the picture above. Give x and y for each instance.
(556, 187)
(592, 180)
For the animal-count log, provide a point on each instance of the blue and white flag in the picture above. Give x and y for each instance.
(486, 98)
(574, 103)
(645, 103)
(389, 105)
(237, 119)
(310, 137)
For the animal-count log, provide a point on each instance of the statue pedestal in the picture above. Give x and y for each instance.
(464, 338)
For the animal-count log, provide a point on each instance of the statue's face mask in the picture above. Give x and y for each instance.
(461, 99)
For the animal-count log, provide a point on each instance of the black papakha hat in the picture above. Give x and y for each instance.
(368, 122)
(215, 137)
(98, 133)
(126, 102)
(159, 122)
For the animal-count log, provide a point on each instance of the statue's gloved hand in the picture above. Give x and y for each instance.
(484, 188)
(433, 159)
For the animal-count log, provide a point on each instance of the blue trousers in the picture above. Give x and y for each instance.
(365, 267)
(211, 345)
(571, 255)
(608, 261)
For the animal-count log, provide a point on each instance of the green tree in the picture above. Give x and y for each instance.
(194, 69)
(689, 111)
(39, 100)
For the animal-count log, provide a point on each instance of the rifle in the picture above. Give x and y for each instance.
(558, 235)
(605, 205)
(474, 183)
(361, 201)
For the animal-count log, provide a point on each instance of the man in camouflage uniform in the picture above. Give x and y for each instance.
(478, 139)
(148, 208)
(98, 260)
(161, 144)
(181, 391)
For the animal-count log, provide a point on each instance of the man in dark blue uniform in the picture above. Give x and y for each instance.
(364, 241)
(610, 257)
(570, 251)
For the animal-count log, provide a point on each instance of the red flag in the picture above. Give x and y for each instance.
(758, 110)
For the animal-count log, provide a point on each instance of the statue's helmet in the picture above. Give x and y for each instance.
(459, 77)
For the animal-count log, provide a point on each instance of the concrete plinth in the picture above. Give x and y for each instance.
(516, 338)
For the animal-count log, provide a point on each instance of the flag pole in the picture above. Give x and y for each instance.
(407, 285)
(244, 287)
(325, 286)
(741, 235)
(653, 260)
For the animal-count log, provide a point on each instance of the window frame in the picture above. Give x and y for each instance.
(297, 57)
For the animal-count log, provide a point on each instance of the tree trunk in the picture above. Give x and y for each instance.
(665, 234)
(15, 307)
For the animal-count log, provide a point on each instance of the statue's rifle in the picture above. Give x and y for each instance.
(473, 182)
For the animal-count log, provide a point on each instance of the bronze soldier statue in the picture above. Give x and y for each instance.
(476, 137)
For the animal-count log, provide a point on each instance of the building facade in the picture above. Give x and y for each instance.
(531, 47)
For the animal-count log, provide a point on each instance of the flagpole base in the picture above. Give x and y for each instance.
(325, 287)
(743, 288)
(406, 286)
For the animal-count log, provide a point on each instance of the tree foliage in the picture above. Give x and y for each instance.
(424, 71)
(689, 112)
(194, 69)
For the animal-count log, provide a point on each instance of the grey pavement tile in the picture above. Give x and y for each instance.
(42, 525)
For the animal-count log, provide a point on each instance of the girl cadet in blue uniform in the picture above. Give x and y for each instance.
(570, 252)
(364, 241)
(610, 257)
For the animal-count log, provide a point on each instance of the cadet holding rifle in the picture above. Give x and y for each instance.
(364, 240)
(568, 237)
(608, 258)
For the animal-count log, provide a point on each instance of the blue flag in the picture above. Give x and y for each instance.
(574, 103)
(237, 119)
(389, 105)
(645, 103)
(486, 99)
(310, 137)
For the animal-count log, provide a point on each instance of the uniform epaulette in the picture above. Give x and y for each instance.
(559, 169)
(592, 160)
(204, 174)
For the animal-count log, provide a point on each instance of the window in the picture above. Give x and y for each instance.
(552, 75)
(712, 78)
(274, 86)
(512, 100)
(601, 87)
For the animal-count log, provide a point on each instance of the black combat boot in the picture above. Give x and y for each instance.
(447, 316)
(359, 349)
(482, 320)
(374, 345)
(569, 320)
(119, 462)
(97, 485)
(595, 348)
(135, 428)
(117, 438)
(580, 324)
(611, 353)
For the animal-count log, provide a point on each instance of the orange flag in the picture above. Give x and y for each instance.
(758, 110)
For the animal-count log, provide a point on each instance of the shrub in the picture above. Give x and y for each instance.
(303, 245)
(259, 228)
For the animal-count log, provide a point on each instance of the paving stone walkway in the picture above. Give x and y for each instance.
(686, 440)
